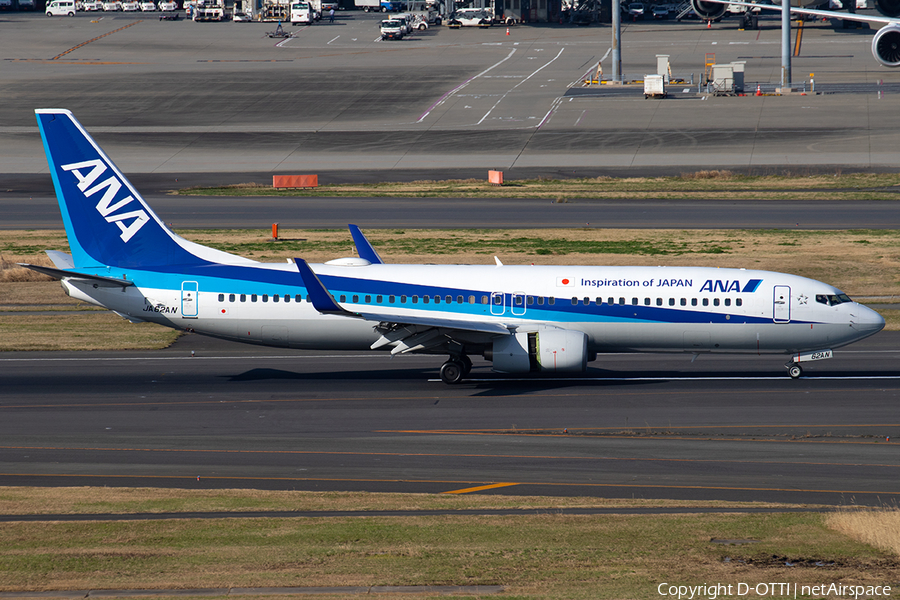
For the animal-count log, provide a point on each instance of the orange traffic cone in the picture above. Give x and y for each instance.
(758, 91)
(709, 24)
(507, 31)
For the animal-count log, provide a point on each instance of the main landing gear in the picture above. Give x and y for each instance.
(455, 369)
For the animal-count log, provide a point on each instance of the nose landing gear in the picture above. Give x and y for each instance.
(794, 370)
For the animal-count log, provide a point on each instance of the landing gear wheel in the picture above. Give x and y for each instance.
(795, 371)
(451, 372)
(466, 363)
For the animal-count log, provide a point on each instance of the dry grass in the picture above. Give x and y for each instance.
(877, 527)
(81, 331)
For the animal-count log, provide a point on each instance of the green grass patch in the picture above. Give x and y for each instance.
(553, 556)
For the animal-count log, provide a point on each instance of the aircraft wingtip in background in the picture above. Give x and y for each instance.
(522, 318)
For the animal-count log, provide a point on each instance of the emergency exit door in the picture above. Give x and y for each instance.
(782, 304)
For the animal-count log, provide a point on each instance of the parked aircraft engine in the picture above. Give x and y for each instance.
(886, 45)
(553, 350)
(889, 8)
(708, 11)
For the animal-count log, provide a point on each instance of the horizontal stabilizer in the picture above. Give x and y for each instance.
(95, 279)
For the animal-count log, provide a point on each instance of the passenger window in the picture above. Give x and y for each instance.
(671, 301)
(727, 301)
(459, 299)
(221, 297)
(529, 300)
(368, 299)
(378, 299)
(231, 297)
(540, 300)
(275, 298)
(437, 299)
(287, 297)
(715, 301)
(252, 297)
(265, 297)
(471, 299)
(587, 301)
(634, 301)
(298, 298)
(498, 299)
(448, 299)
(574, 301)
(612, 300)
(706, 302)
(551, 300)
(402, 299)
(738, 302)
(599, 300)
(391, 299)
(684, 301)
(693, 302)
(343, 298)
(426, 299)
(355, 298)
(415, 299)
(484, 300)
(621, 301)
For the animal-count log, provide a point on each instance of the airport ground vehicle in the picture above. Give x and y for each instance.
(112, 5)
(148, 6)
(167, 5)
(301, 12)
(58, 8)
(91, 5)
(131, 6)
(26, 4)
(470, 17)
(6, 4)
(380, 5)
(393, 29)
(522, 318)
(209, 10)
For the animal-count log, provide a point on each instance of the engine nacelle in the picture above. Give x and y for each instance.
(886, 45)
(553, 350)
(709, 11)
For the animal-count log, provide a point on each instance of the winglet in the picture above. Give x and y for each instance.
(321, 298)
(363, 247)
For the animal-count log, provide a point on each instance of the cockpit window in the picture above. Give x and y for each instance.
(832, 299)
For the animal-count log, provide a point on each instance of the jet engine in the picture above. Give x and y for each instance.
(708, 11)
(889, 8)
(553, 350)
(886, 45)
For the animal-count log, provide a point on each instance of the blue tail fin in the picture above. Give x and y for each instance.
(107, 222)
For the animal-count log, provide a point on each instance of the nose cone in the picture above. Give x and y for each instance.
(866, 320)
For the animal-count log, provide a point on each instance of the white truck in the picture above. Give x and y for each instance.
(209, 10)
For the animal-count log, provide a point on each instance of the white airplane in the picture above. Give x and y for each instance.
(885, 44)
(522, 318)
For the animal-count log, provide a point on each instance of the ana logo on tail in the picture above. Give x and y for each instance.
(105, 206)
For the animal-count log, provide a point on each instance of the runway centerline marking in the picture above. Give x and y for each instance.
(480, 488)
(74, 48)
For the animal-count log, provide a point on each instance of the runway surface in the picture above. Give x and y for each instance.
(645, 426)
(188, 103)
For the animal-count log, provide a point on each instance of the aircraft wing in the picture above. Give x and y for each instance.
(95, 279)
(324, 302)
